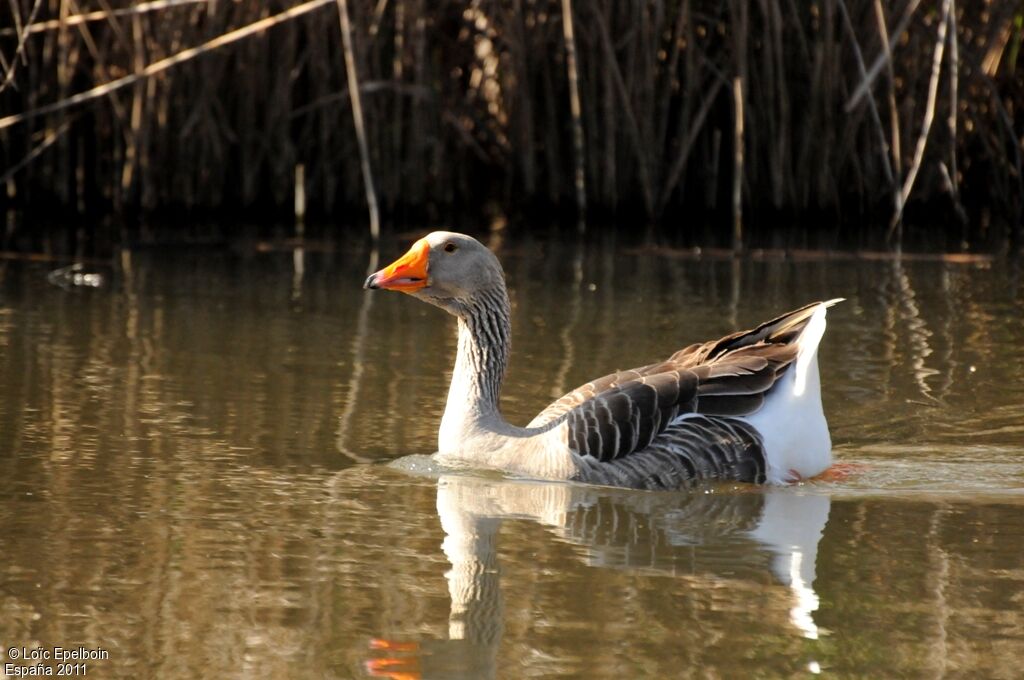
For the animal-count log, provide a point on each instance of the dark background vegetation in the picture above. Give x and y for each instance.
(467, 109)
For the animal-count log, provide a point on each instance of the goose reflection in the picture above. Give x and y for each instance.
(704, 535)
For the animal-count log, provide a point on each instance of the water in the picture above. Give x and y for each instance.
(195, 477)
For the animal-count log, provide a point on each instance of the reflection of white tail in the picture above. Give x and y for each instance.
(791, 527)
(792, 421)
(786, 525)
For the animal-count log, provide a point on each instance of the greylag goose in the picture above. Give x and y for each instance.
(744, 408)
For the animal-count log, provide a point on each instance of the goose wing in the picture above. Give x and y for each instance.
(782, 330)
(628, 417)
(624, 412)
(574, 398)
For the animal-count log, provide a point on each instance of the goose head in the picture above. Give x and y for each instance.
(452, 271)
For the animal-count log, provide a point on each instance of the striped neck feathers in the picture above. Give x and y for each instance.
(484, 341)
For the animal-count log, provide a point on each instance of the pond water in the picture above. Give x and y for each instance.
(195, 475)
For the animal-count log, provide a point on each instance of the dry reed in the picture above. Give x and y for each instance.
(630, 109)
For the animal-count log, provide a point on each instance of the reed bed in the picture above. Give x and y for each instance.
(834, 112)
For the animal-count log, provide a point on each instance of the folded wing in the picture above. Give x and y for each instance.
(624, 412)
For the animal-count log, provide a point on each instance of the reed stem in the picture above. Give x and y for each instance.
(575, 109)
(357, 118)
(164, 64)
(619, 109)
(737, 169)
(926, 124)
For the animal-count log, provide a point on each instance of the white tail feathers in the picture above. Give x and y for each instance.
(808, 352)
(791, 422)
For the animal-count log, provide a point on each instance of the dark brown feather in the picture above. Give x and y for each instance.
(624, 412)
(628, 417)
(730, 404)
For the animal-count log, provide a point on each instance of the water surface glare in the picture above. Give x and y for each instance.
(215, 466)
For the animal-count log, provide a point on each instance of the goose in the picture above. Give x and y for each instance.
(743, 408)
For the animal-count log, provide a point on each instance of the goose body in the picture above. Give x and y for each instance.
(746, 407)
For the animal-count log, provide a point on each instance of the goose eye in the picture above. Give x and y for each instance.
(450, 247)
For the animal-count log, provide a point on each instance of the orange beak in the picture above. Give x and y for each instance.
(406, 274)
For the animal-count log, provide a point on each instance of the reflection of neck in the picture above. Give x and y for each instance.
(473, 581)
(484, 332)
(477, 613)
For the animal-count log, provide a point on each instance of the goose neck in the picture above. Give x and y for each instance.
(483, 348)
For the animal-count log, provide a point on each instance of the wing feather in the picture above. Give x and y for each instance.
(625, 412)
(628, 417)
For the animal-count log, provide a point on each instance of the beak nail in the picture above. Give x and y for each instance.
(371, 282)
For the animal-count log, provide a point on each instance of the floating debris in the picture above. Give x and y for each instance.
(74, 275)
